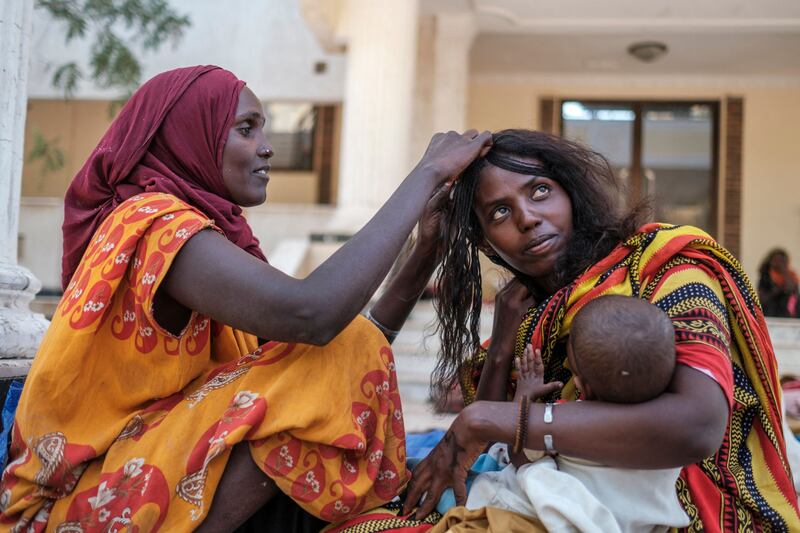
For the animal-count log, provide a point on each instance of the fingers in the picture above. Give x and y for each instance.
(484, 139)
(536, 362)
(440, 195)
(431, 499)
(524, 362)
(417, 486)
(553, 386)
(460, 489)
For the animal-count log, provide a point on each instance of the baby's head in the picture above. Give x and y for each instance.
(621, 349)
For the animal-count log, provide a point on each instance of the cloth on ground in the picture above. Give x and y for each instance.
(486, 520)
(419, 445)
(9, 409)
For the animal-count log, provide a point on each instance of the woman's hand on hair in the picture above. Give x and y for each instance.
(446, 466)
(429, 229)
(448, 154)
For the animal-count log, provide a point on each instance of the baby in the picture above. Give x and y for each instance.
(622, 350)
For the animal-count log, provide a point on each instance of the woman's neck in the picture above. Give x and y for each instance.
(542, 287)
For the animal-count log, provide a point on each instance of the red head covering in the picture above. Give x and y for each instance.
(168, 138)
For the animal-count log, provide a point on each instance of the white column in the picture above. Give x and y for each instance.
(454, 35)
(20, 329)
(381, 40)
(422, 119)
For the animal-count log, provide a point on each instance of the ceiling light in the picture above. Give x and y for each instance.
(647, 51)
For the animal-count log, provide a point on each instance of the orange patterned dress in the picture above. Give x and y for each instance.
(122, 424)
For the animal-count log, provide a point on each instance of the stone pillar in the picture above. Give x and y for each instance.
(454, 35)
(381, 38)
(20, 329)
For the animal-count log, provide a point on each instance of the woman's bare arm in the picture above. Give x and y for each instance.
(510, 305)
(216, 278)
(682, 426)
(404, 289)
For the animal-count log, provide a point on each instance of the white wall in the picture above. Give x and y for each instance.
(40, 239)
(264, 42)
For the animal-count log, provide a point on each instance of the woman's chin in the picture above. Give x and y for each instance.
(253, 200)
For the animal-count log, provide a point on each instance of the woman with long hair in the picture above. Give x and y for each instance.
(550, 212)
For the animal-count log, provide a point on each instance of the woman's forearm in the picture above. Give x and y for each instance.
(248, 294)
(351, 275)
(680, 427)
(493, 383)
(510, 305)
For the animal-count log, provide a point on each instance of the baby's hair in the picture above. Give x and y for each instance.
(624, 348)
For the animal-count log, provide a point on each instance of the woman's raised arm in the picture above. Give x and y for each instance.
(216, 278)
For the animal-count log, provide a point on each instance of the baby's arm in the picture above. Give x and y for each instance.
(530, 384)
(530, 377)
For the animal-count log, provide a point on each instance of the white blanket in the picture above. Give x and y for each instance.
(575, 495)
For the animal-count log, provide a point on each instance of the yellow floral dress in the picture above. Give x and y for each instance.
(123, 425)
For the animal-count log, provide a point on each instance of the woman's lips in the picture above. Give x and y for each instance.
(538, 245)
(262, 173)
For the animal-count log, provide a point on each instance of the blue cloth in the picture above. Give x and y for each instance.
(419, 445)
(9, 409)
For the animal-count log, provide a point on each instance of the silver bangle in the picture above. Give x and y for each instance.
(548, 438)
(390, 334)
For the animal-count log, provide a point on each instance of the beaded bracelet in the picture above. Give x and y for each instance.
(522, 425)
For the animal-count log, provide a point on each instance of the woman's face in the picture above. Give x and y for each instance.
(526, 220)
(245, 159)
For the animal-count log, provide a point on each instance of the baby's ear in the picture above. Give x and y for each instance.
(586, 390)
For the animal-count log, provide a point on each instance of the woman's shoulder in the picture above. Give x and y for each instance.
(148, 209)
(152, 202)
(667, 231)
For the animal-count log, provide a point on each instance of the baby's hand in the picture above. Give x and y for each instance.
(530, 379)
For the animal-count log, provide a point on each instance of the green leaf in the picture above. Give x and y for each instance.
(47, 153)
(113, 59)
(66, 78)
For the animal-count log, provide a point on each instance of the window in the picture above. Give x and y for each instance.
(290, 129)
(665, 150)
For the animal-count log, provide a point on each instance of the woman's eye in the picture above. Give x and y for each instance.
(245, 130)
(499, 213)
(540, 191)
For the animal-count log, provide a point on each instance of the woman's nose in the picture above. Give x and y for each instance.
(265, 151)
(527, 219)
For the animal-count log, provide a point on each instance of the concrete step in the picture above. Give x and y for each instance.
(415, 351)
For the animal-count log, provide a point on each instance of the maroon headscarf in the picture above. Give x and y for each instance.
(168, 138)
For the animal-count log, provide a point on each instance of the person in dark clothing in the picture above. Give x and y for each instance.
(777, 285)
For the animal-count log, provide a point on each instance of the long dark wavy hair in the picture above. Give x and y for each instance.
(599, 223)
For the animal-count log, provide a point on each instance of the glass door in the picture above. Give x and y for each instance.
(662, 150)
